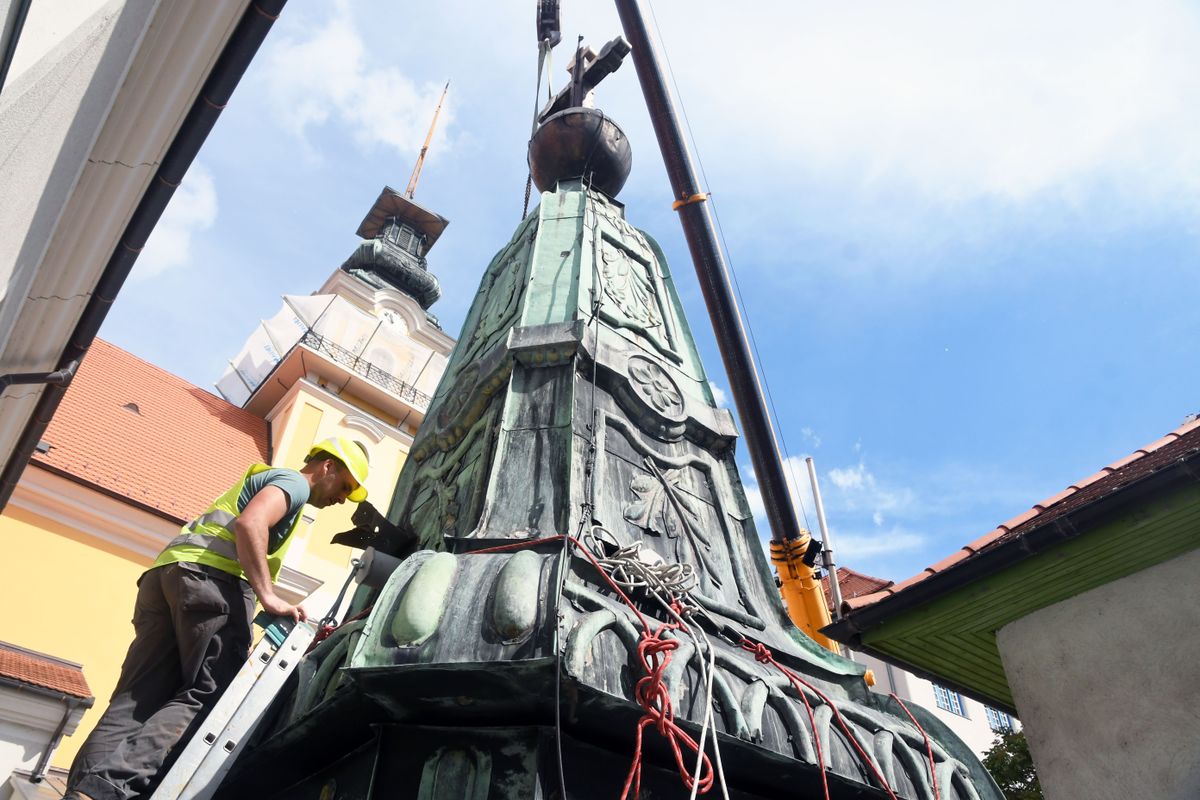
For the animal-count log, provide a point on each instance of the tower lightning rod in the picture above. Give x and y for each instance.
(713, 273)
(412, 182)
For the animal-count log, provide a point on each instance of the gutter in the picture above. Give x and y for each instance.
(227, 71)
(850, 628)
(39, 771)
(42, 690)
(61, 377)
(72, 703)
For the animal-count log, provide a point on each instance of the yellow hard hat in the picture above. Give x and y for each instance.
(353, 455)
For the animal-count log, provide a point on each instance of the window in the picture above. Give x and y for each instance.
(950, 701)
(998, 720)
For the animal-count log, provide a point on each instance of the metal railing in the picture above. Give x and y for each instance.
(346, 358)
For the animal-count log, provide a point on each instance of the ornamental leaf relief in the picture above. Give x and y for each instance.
(664, 509)
(504, 287)
(629, 285)
(459, 393)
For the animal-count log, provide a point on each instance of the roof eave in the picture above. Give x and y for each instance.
(83, 701)
(849, 628)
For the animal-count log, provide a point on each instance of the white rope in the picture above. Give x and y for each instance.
(631, 567)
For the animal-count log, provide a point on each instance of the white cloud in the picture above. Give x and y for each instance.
(755, 501)
(849, 547)
(719, 396)
(192, 209)
(810, 437)
(951, 103)
(849, 478)
(857, 489)
(325, 75)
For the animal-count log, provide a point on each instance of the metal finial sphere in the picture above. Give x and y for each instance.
(580, 143)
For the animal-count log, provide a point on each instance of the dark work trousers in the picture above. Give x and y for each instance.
(191, 636)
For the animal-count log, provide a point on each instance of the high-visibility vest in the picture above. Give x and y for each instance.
(209, 540)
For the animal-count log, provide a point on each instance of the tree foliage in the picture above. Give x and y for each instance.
(1011, 765)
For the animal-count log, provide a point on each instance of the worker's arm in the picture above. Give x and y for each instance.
(251, 530)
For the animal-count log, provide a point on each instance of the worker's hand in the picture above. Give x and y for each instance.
(276, 606)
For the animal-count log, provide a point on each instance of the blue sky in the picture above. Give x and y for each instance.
(967, 234)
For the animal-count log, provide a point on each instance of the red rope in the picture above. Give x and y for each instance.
(516, 545)
(653, 695)
(928, 746)
(764, 656)
(651, 691)
(326, 630)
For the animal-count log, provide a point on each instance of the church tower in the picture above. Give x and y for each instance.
(359, 358)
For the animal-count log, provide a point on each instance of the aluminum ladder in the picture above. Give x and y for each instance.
(212, 750)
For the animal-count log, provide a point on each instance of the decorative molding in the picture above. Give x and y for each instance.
(347, 409)
(635, 293)
(92, 513)
(403, 305)
(459, 394)
(367, 425)
(664, 509)
(656, 387)
(626, 280)
(369, 298)
(713, 472)
(109, 520)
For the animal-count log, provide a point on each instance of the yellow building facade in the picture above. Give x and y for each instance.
(135, 452)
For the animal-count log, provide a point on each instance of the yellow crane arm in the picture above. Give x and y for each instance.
(801, 590)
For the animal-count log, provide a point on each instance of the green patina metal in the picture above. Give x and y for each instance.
(575, 397)
(516, 601)
(420, 609)
(955, 636)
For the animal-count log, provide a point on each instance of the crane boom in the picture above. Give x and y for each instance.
(416, 173)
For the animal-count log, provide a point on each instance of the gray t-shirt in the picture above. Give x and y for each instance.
(293, 485)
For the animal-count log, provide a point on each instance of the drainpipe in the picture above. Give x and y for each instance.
(243, 44)
(61, 377)
(39, 771)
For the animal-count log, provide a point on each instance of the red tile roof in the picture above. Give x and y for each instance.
(37, 669)
(1180, 443)
(138, 432)
(853, 584)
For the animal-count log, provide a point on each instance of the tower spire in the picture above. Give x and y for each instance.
(416, 173)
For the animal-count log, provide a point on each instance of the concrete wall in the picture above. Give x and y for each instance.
(65, 74)
(1105, 687)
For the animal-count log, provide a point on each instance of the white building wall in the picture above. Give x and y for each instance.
(1106, 686)
(973, 729)
(27, 722)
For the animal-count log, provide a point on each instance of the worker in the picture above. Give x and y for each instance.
(192, 617)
